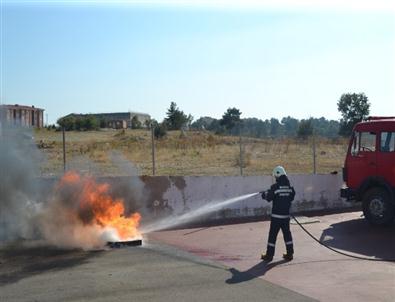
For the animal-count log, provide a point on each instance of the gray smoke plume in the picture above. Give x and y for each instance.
(33, 208)
(19, 159)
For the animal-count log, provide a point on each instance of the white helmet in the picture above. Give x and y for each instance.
(278, 171)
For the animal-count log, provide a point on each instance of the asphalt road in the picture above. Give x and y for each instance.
(154, 272)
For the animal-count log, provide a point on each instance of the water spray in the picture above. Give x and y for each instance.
(173, 221)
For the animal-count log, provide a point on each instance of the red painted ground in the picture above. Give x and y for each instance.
(316, 272)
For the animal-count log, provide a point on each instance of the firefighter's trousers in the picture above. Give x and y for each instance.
(275, 225)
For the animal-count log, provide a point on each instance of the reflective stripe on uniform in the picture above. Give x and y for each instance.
(283, 191)
(280, 216)
(271, 244)
(289, 242)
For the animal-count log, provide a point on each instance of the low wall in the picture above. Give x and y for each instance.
(182, 194)
(161, 196)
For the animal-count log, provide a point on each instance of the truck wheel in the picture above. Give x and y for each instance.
(377, 207)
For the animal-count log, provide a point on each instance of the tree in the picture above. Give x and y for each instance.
(89, 122)
(160, 130)
(275, 127)
(354, 108)
(79, 123)
(290, 125)
(176, 118)
(149, 122)
(67, 122)
(135, 123)
(203, 123)
(305, 128)
(230, 118)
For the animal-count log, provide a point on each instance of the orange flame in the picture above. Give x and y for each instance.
(106, 211)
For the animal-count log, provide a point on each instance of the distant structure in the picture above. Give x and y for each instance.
(117, 120)
(20, 115)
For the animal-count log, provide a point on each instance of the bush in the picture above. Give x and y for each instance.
(160, 130)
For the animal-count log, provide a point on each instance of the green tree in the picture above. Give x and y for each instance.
(160, 130)
(176, 118)
(89, 122)
(275, 127)
(135, 123)
(203, 123)
(230, 118)
(354, 108)
(305, 128)
(67, 122)
(290, 125)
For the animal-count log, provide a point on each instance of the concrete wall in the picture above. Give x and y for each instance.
(179, 195)
(161, 196)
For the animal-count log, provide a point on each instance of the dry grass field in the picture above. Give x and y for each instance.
(116, 152)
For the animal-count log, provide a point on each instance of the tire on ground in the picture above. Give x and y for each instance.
(378, 196)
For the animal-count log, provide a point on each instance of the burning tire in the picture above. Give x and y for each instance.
(377, 207)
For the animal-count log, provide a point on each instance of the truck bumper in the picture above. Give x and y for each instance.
(347, 193)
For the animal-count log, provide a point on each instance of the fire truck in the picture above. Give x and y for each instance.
(369, 169)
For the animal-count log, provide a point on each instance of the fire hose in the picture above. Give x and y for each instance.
(337, 251)
(333, 249)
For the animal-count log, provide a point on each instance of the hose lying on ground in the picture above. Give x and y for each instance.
(337, 251)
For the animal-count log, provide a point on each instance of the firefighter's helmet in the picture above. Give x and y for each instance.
(278, 171)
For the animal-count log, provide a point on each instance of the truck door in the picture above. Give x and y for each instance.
(362, 160)
(386, 157)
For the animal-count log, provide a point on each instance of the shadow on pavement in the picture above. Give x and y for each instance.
(256, 271)
(18, 261)
(358, 236)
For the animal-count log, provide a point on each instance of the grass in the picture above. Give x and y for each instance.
(109, 152)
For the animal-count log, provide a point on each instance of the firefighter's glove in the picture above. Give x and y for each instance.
(264, 193)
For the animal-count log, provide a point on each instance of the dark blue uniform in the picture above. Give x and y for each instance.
(281, 194)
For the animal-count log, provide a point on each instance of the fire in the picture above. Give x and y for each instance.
(95, 206)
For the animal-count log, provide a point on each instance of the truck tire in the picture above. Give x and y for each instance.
(377, 206)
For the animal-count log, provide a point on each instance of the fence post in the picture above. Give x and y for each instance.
(241, 153)
(314, 155)
(153, 148)
(64, 149)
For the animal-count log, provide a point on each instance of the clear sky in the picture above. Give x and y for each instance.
(268, 58)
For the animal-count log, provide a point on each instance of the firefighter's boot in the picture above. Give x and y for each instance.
(288, 257)
(266, 257)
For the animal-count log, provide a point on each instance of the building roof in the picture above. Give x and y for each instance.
(17, 106)
(112, 115)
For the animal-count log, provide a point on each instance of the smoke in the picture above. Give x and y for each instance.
(18, 191)
(59, 214)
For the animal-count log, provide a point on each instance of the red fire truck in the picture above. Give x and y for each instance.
(369, 169)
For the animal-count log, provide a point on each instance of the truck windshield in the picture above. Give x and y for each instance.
(387, 142)
(363, 142)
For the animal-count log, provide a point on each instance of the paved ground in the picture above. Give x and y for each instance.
(218, 263)
(315, 272)
(149, 273)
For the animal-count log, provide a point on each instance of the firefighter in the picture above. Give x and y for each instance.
(281, 194)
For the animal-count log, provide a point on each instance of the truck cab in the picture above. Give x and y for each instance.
(369, 169)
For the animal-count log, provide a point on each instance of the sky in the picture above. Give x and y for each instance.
(266, 58)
